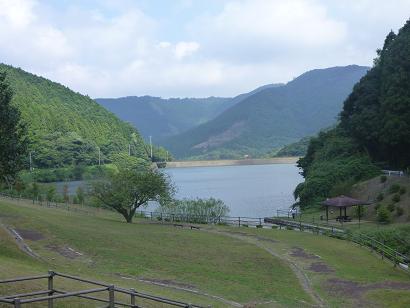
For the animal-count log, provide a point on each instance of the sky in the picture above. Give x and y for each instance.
(190, 48)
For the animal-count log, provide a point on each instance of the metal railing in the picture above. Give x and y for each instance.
(110, 301)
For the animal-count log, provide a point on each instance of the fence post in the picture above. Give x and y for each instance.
(50, 288)
(133, 298)
(111, 301)
(239, 221)
(260, 221)
(17, 303)
(151, 215)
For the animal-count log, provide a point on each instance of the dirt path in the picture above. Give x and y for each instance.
(20, 242)
(261, 243)
(181, 287)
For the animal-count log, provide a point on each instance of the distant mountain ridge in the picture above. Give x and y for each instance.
(160, 118)
(272, 117)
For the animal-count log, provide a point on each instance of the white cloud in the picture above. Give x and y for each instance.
(115, 48)
(185, 49)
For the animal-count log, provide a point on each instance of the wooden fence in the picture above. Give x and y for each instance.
(51, 294)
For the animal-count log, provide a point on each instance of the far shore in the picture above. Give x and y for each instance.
(231, 162)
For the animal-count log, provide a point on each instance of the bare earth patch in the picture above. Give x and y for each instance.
(168, 282)
(301, 253)
(65, 251)
(355, 290)
(30, 234)
(320, 267)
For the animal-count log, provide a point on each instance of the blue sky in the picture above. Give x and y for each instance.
(194, 48)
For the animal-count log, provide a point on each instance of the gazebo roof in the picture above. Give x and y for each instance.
(343, 201)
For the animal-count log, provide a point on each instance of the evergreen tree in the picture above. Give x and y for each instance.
(13, 141)
(377, 113)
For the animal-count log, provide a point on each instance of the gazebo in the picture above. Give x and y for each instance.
(342, 202)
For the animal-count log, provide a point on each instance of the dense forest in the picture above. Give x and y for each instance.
(271, 118)
(374, 129)
(66, 128)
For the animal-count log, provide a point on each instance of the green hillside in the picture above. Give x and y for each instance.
(160, 118)
(374, 131)
(272, 117)
(297, 148)
(67, 128)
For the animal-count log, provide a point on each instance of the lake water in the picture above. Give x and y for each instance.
(253, 191)
(249, 191)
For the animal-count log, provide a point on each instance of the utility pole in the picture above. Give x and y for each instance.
(129, 149)
(150, 144)
(31, 161)
(99, 156)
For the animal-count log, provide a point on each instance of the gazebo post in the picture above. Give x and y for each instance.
(345, 213)
(327, 213)
(340, 212)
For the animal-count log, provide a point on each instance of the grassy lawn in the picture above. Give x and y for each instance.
(344, 274)
(254, 266)
(112, 249)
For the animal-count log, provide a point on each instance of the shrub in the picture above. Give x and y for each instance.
(399, 211)
(199, 210)
(396, 198)
(402, 190)
(391, 207)
(259, 226)
(274, 227)
(377, 206)
(244, 225)
(395, 188)
(383, 215)
(383, 179)
(380, 197)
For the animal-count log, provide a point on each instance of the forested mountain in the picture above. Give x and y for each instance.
(159, 117)
(297, 148)
(66, 128)
(271, 117)
(374, 130)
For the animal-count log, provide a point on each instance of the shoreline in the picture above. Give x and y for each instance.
(231, 162)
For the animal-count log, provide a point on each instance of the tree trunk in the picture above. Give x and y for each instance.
(128, 218)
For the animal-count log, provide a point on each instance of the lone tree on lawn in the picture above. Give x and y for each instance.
(127, 190)
(13, 141)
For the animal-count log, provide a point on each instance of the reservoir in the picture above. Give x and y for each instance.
(248, 190)
(252, 191)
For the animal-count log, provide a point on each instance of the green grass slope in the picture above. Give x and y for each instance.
(219, 266)
(272, 117)
(66, 127)
(213, 264)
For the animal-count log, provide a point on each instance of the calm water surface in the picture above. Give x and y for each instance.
(253, 191)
